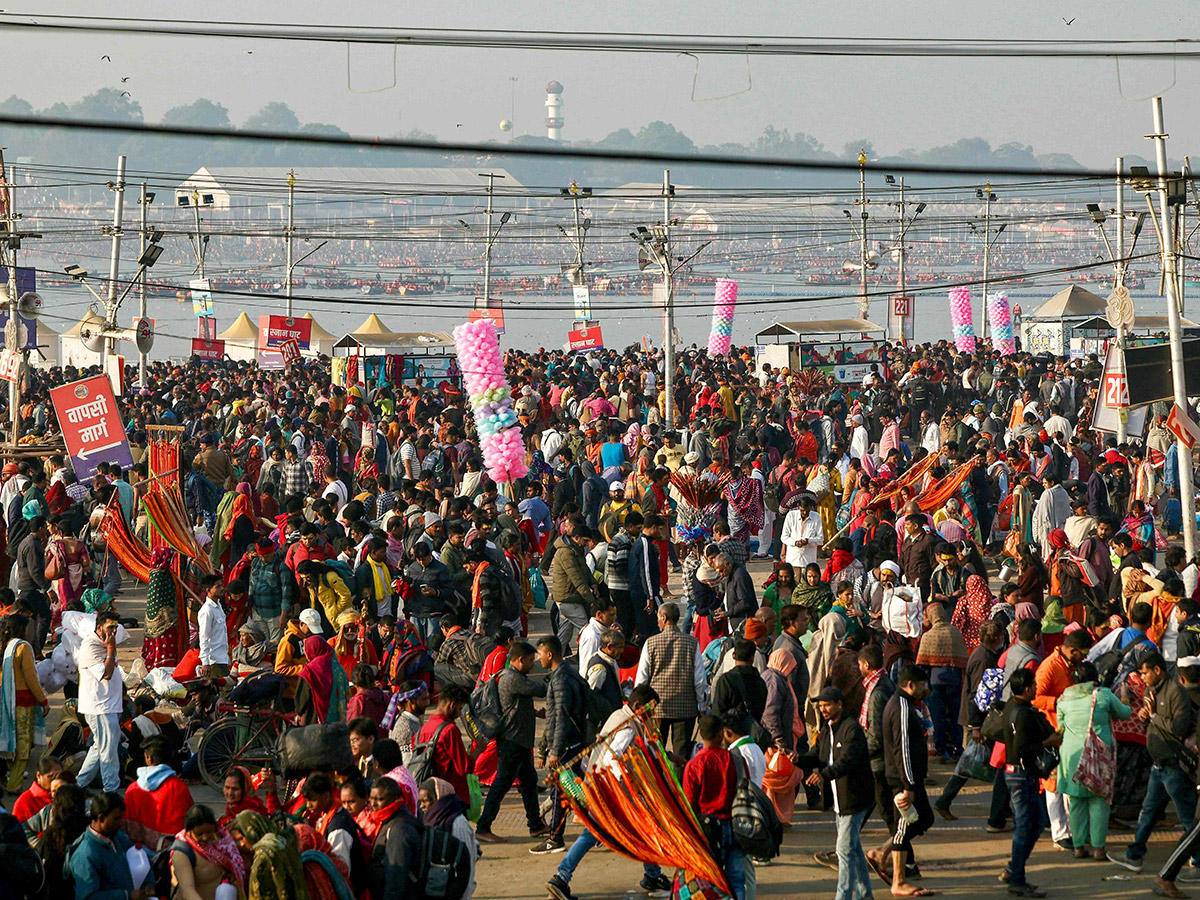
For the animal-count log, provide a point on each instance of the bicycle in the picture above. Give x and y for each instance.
(243, 736)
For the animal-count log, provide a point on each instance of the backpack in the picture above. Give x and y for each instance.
(1110, 663)
(483, 717)
(343, 569)
(443, 869)
(754, 821)
(479, 647)
(418, 758)
(436, 464)
(990, 689)
(511, 601)
(160, 868)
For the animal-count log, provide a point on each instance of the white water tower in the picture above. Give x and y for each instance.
(554, 116)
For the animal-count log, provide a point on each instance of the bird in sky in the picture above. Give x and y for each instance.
(125, 94)
(106, 56)
(249, 52)
(125, 79)
(1070, 20)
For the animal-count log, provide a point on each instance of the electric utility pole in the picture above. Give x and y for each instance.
(1187, 496)
(291, 183)
(114, 259)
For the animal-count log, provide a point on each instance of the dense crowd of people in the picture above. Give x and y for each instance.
(952, 569)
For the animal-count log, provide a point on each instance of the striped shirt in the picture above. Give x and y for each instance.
(616, 568)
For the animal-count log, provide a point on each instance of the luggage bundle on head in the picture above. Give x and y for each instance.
(315, 747)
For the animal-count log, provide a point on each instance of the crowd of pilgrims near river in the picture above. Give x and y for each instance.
(952, 573)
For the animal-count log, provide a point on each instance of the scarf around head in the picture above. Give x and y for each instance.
(318, 673)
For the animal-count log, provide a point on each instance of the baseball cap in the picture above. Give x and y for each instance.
(312, 619)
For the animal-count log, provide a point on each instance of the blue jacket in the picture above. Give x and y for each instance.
(99, 867)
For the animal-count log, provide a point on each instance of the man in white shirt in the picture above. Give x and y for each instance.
(334, 491)
(552, 441)
(802, 535)
(604, 613)
(101, 686)
(214, 637)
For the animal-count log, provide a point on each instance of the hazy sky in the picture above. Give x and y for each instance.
(1072, 106)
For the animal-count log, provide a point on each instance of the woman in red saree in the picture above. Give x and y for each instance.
(973, 609)
(325, 874)
(240, 794)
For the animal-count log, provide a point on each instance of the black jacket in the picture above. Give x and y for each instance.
(516, 704)
(905, 754)
(848, 785)
(981, 659)
(566, 711)
(343, 821)
(1025, 733)
(394, 857)
(885, 688)
(740, 686)
(741, 601)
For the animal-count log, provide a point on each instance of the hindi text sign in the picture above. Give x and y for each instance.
(91, 425)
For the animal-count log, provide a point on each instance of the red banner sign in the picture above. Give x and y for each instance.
(290, 350)
(91, 425)
(495, 314)
(10, 365)
(203, 349)
(288, 328)
(585, 339)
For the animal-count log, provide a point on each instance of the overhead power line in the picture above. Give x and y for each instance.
(43, 122)
(618, 42)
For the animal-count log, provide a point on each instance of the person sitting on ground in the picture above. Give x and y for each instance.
(158, 802)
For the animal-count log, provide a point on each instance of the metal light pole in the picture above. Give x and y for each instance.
(1122, 432)
(114, 259)
(12, 331)
(987, 255)
(144, 201)
(669, 314)
(199, 238)
(1187, 497)
(291, 183)
(487, 252)
(864, 304)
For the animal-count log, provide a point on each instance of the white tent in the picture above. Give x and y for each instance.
(241, 338)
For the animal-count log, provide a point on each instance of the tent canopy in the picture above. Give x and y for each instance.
(318, 333)
(1071, 302)
(242, 329)
(372, 325)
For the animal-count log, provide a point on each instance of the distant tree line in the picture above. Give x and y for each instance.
(185, 155)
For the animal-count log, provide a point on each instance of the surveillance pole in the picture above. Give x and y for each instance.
(114, 260)
(1187, 497)
(487, 249)
(291, 183)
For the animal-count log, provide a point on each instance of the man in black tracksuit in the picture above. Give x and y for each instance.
(846, 784)
(905, 762)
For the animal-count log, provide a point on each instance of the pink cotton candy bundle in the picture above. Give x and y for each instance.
(960, 318)
(1000, 317)
(491, 400)
(724, 303)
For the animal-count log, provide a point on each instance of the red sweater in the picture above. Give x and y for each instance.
(710, 781)
(30, 803)
(152, 817)
(449, 754)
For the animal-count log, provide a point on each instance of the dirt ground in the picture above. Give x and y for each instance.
(956, 858)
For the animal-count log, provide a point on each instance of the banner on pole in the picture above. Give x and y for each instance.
(91, 425)
(290, 350)
(10, 365)
(288, 328)
(492, 310)
(587, 338)
(201, 291)
(208, 349)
